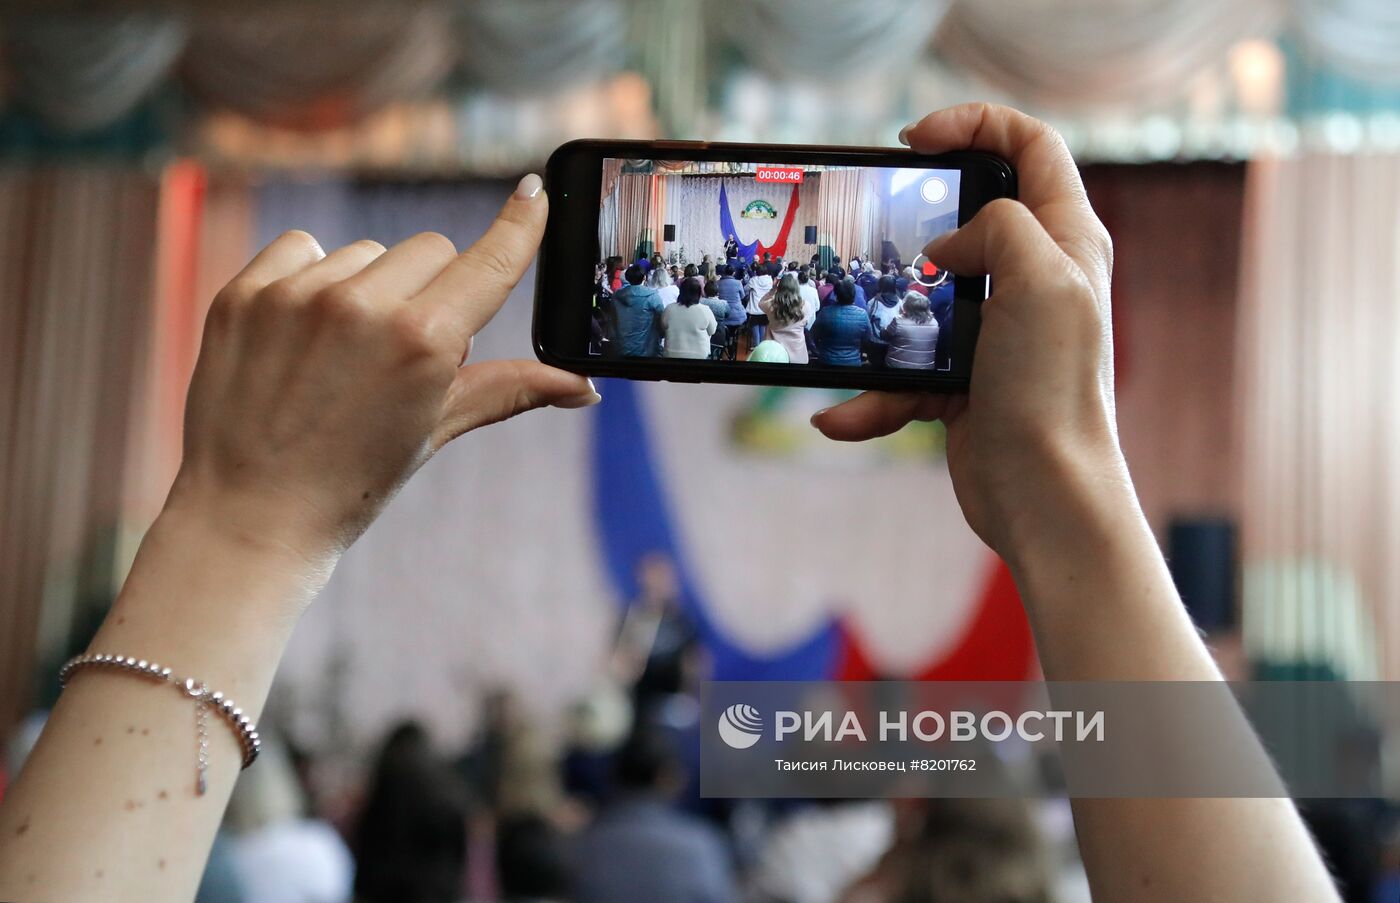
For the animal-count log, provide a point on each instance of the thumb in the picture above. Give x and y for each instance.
(491, 391)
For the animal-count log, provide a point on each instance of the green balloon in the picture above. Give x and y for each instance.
(769, 352)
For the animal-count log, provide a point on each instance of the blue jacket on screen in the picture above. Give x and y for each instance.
(840, 332)
(637, 320)
(731, 290)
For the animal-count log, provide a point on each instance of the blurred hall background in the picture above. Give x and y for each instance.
(1244, 156)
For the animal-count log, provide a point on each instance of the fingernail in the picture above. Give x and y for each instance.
(580, 401)
(904, 133)
(529, 187)
(584, 400)
(813, 421)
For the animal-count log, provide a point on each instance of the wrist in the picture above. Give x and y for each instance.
(211, 602)
(1080, 501)
(244, 524)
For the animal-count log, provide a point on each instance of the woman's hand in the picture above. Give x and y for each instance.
(325, 380)
(1039, 413)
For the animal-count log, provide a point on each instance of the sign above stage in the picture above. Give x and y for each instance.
(789, 174)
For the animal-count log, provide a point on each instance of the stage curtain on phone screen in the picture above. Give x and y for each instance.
(846, 214)
(632, 212)
(1318, 336)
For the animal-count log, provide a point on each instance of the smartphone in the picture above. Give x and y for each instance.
(760, 264)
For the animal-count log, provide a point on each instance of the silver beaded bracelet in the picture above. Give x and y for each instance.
(204, 700)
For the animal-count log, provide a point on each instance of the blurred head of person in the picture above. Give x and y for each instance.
(968, 851)
(845, 291)
(889, 289)
(634, 275)
(916, 308)
(691, 291)
(648, 765)
(787, 303)
(691, 270)
(411, 840)
(711, 288)
(531, 862)
(656, 577)
(659, 278)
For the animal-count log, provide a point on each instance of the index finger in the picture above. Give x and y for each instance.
(471, 288)
(1048, 179)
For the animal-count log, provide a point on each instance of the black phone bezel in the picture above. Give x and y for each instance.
(562, 309)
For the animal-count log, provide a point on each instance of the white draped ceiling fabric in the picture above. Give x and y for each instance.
(1320, 407)
(86, 72)
(297, 64)
(816, 38)
(822, 67)
(1106, 52)
(1358, 37)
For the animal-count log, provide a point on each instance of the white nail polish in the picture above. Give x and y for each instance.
(529, 186)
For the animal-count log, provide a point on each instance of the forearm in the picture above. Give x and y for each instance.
(1103, 608)
(106, 806)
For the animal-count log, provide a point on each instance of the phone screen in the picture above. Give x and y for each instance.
(804, 264)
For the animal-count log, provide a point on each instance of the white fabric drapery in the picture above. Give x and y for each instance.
(827, 38)
(298, 65)
(1072, 52)
(81, 73)
(1320, 380)
(1358, 37)
(846, 213)
(520, 45)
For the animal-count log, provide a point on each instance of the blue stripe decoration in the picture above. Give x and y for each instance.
(726, 225)
(633, 517)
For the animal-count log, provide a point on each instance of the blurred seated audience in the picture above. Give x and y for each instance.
(960, 851)
(411, 841)
(278, 853)
(816, 852)
(641, 848)
(531, 861)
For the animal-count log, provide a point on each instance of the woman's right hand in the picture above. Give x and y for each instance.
(1037, 424)
(325, 380)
